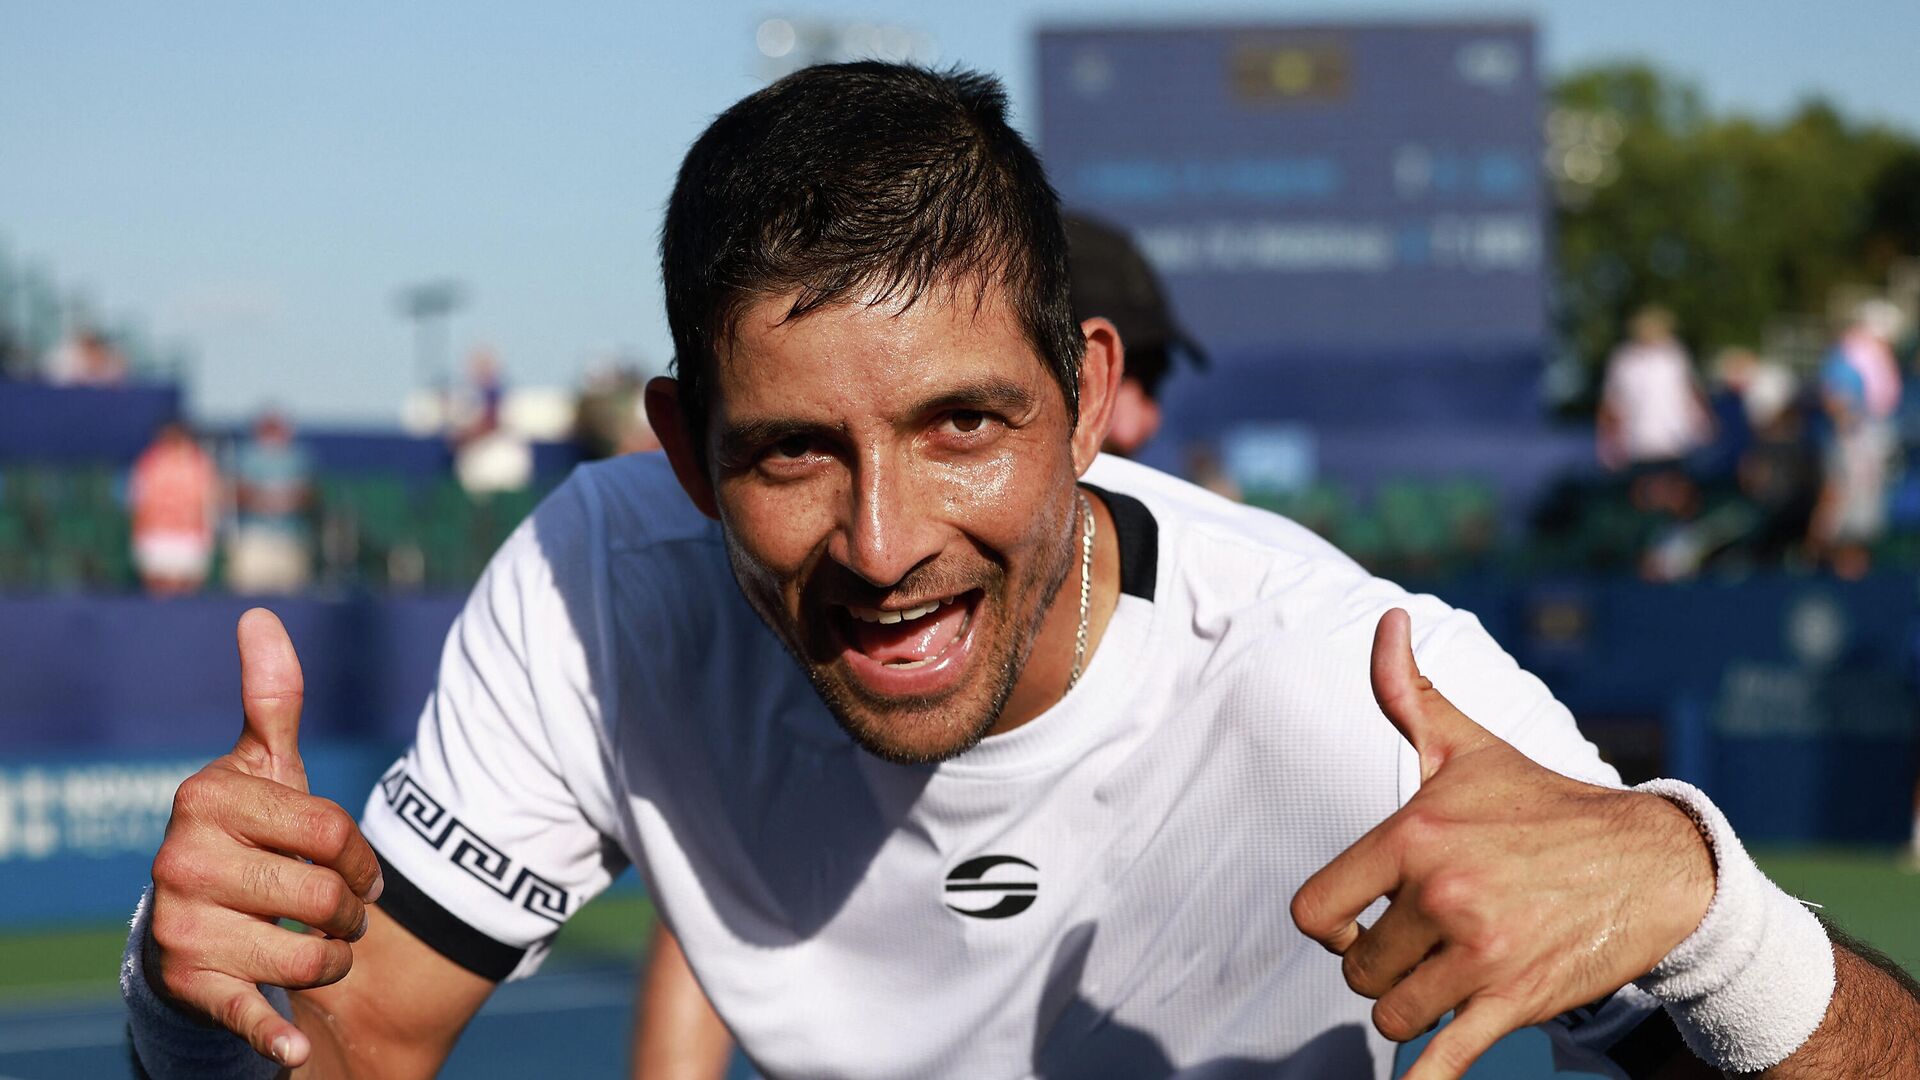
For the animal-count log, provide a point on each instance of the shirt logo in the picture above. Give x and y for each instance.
(1010, 897)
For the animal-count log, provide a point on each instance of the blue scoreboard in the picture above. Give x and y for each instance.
(1317, 191)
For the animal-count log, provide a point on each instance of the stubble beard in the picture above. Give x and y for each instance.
(864, 716)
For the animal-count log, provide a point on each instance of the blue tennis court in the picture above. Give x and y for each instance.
(561, 1023)
(564, 1023)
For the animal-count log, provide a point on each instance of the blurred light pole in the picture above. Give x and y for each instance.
(429, 304)
(41, 325)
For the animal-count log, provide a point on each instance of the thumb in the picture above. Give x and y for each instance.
(271, 691)
(1421, 714)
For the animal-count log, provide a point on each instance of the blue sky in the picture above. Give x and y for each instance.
(259, 179)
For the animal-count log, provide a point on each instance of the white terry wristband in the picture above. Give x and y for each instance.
(1753, 981)
(174, 1046)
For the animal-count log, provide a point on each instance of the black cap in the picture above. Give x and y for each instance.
(1112, 280)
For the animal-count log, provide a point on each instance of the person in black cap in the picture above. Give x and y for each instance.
(1111, 280)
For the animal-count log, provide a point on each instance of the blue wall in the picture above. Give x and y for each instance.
(52, 423)
(1789, 699)
(128, 673)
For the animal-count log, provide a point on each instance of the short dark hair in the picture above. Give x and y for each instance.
(865, 178)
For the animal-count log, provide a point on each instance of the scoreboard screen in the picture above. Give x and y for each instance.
(1316, 189)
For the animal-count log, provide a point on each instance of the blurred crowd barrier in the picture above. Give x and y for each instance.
(66, 530)
(359, 510)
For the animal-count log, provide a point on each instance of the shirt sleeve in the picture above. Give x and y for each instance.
(493, 828)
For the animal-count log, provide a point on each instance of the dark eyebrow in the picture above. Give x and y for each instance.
(992, 394)
(744, 439)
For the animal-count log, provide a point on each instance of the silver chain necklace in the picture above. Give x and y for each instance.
(1086, 589)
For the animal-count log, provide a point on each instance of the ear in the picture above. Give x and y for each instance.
(670, 425)
(1100, 371)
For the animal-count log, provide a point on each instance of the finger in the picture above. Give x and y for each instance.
(271, 954)
(1342, 937)
(270, 816)
(274, 887)
(1471, 1033)
(1385, 953)
(240, 1008)
(1409, 701)
(1329, 903)
(1412, 1006)
(271, 692)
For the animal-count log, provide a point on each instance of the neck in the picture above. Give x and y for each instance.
(1044, 680)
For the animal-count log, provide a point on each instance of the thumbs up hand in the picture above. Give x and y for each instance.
(1515, 893)
(247, 846)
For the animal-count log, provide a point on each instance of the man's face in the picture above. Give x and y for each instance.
(897, 489)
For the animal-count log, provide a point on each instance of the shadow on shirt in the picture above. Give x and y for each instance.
(1078, 1040)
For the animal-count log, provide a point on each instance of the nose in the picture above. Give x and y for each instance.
(889, 525)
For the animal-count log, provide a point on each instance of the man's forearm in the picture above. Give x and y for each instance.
(677, 1035)
(1872, 1026)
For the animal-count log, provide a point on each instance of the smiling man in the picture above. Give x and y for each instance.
(896, 486)
(949, 750)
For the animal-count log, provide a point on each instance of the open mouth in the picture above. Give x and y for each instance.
(909, 650)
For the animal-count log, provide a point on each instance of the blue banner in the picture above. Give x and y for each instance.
(1316, 189)
(78, 832)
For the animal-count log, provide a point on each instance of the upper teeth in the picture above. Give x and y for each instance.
(874, 615)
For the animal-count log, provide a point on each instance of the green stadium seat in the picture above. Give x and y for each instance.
(15, 556)
(1322, 508)
(1364, 538)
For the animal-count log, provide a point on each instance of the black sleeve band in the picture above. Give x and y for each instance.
(442, 930)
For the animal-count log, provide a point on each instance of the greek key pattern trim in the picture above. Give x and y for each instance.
(470, 851)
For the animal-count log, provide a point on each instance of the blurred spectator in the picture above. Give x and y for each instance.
(478, 412)
(1111, 280)
(1651, 409)
(1770, 389)
(1866, 346)
(86, 358)
(1205, 469)
(1732, 376)
(1779, 474)
(272, 546)
(1681, 541)
(173, 495)
(611, 418)
(487, 457)
(1859, 393)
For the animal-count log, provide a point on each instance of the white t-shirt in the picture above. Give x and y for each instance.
(1102, 892)
(1650, 388)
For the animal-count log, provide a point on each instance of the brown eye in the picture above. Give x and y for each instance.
(968, 421)
(793, 446)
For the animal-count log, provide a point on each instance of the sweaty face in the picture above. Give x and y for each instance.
(897, 491)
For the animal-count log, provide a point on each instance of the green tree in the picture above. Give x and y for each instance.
(1725, 220)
